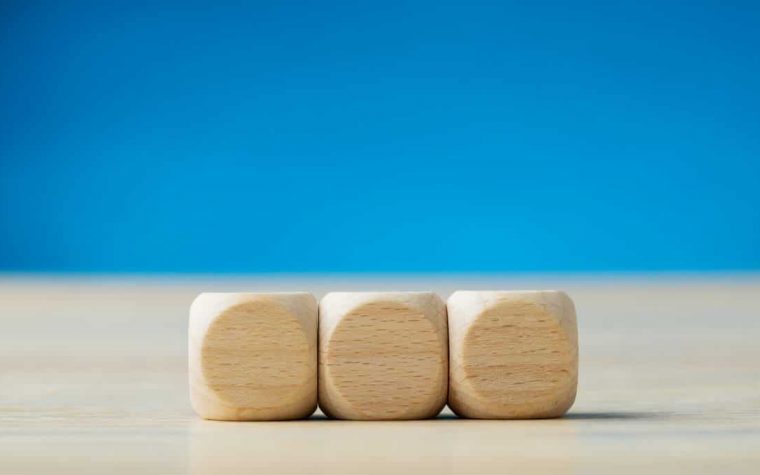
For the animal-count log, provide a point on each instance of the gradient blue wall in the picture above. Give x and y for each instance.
(401, 136)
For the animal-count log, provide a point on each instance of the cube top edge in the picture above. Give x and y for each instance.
(373, 293)
(487, 298)
(255, 294)
(467, 293)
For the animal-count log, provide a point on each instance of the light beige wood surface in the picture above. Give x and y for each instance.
(253, 356)
(93, 379)
(514, 354)
(382, 355)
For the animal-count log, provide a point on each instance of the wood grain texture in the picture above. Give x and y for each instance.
(253, 356)
(382, 355)
(514, 354)
(93, 379)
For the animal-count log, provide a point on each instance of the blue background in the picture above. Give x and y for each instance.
(392, 136)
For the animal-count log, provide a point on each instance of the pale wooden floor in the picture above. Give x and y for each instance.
(93, 379)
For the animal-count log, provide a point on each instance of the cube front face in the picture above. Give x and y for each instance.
(253, 356)
(382, 355)
(514, 355)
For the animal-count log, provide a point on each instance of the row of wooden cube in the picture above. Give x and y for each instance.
(383, 355)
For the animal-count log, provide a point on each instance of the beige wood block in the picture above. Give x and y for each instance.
(382, 355)
(514, 355)
(253, 356)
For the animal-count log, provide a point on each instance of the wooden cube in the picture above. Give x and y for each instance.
(514, 355)
(253, 356)
(382, 355)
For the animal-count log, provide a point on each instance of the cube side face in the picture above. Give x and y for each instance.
(253, 356)
(383, 356)
(514, 355)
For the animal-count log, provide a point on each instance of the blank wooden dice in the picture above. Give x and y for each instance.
(514, 355)
(253, 356)
(382, 355)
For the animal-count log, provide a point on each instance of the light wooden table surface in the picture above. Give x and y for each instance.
(93, 380)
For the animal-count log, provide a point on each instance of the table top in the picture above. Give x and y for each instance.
(93, 379)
